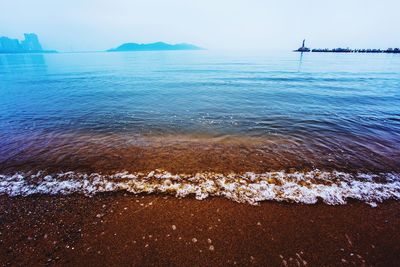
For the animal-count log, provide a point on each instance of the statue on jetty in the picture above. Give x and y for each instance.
(303, 48)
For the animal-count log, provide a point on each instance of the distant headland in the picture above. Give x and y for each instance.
(159, 46)
(30, 44)
(303, 48)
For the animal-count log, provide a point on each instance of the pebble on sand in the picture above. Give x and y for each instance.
(173, 227)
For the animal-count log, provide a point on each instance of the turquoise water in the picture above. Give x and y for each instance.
(346, 106)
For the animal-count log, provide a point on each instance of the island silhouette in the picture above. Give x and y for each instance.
(158, 46)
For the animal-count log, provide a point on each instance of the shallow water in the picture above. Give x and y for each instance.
(200, 111)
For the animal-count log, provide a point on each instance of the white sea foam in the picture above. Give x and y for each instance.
(301, 187)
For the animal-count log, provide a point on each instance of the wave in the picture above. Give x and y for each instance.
(332, 188)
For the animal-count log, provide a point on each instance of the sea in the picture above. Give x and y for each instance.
(248, 126)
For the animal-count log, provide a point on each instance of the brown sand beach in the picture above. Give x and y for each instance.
(120, 229)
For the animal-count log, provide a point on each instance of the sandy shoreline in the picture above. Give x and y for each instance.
(123, 229)
(119, 229)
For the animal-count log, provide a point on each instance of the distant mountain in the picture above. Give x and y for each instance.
(30, 44)
(153, 47)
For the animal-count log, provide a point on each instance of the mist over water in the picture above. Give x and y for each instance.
(96, 25)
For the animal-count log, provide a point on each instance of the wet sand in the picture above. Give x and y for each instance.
(110, 153)
(156, 230)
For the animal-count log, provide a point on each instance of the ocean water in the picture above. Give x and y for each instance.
(252, 126)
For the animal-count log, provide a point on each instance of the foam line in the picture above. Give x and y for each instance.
(300, 187)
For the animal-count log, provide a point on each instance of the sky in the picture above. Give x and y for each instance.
(87, 25)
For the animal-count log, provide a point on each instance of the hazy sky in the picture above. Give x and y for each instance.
(214, 24)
